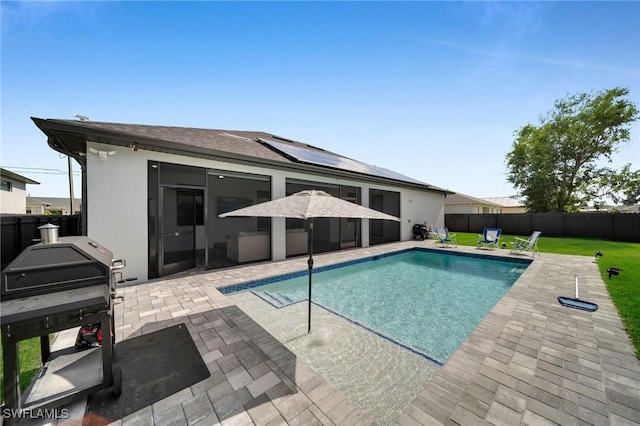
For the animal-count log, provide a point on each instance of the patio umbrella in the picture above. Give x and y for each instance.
(308, 205)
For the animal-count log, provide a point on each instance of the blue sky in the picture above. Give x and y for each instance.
(433, 90)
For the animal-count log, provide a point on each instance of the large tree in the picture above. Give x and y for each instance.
(556, 165)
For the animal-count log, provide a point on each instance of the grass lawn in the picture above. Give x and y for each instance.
(29, 351)
(624, 289)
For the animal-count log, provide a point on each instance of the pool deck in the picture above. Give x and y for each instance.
(531, 361)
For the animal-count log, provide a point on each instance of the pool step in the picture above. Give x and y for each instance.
(277, 300)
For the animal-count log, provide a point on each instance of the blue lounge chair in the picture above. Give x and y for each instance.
(521, 245)
(445, 238)
(489, 238)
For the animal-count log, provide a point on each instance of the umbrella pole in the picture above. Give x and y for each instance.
(310, 263)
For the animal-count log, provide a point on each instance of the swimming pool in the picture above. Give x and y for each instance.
(363, 329)
(426, 301)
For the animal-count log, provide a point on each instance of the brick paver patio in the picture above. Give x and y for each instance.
(531, 361)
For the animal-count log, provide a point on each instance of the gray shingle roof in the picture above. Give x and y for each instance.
(19, 178)
(226, 145)
(505, 201)
(467, 199)
(239, 142)
(55, 203)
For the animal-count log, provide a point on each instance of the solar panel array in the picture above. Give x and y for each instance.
(312, 156)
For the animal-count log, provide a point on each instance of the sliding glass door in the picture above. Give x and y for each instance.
(178, 242)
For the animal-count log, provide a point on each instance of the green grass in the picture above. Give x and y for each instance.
(623, 289)
(29, 352)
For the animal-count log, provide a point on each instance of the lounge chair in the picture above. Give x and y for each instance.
(444, 237)
(489, 238)
(521, 245)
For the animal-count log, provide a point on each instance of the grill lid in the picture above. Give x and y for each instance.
(71, 262)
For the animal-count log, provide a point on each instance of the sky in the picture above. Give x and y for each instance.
(432, 90)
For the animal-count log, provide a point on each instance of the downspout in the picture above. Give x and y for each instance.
(83, 210)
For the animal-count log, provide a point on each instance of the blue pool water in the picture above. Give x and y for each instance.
(427, 301)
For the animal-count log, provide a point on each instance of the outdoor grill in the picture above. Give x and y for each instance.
(71, 262)
(58, 284)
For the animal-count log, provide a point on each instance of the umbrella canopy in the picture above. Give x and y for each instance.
(307, 205)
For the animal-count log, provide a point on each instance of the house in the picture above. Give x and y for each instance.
(508, 204)
(13, 192)
(633, 208)
(152, 194)
(460, 203)
(49, 205)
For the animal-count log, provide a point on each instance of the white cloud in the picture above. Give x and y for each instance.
(502, 52)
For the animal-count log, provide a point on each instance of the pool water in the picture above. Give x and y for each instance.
(427, 301)
(381, 327)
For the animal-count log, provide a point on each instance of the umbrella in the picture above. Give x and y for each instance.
(307, 205)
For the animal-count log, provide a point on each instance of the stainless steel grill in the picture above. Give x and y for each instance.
(58, 284)
(71, 262)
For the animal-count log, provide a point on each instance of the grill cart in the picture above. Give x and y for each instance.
(58, 284)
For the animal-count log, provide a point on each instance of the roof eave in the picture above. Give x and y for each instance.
(52, 129)
(19, 178)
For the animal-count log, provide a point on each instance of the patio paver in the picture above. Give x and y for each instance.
(530, 361)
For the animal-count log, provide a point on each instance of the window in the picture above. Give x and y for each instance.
(5, 185)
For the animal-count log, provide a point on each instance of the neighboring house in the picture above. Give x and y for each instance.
(13, 193)
(49, 205)
(152, 194)
(508, 204)
(634, 208)
(460, 203)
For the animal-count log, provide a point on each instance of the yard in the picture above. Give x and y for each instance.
(624, 289)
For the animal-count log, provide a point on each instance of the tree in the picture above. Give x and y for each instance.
(633, 196)
(554, 165)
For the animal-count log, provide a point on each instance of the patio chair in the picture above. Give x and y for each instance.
(521, 245)
(489, 238)
(444, 237)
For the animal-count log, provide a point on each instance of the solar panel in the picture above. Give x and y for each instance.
(312, 156)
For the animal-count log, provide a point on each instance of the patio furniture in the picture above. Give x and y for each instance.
(489, 238)
(445, 238)
(250, 246)
(521, 245)
(220, 247)
(297, 241)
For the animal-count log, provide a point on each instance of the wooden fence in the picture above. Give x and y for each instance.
(607, 226)
(20, 231)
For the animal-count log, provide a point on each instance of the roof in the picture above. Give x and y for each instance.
(14, 176)
(634, 208)
(505, 201)
(239, 146)
(53, 202)
(467, 199)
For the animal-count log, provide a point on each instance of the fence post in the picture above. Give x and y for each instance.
(18, 242)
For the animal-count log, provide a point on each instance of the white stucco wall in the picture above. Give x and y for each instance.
(419, 207)
(14, 201)
(117, 202)
(117, 206)
(37, 209)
